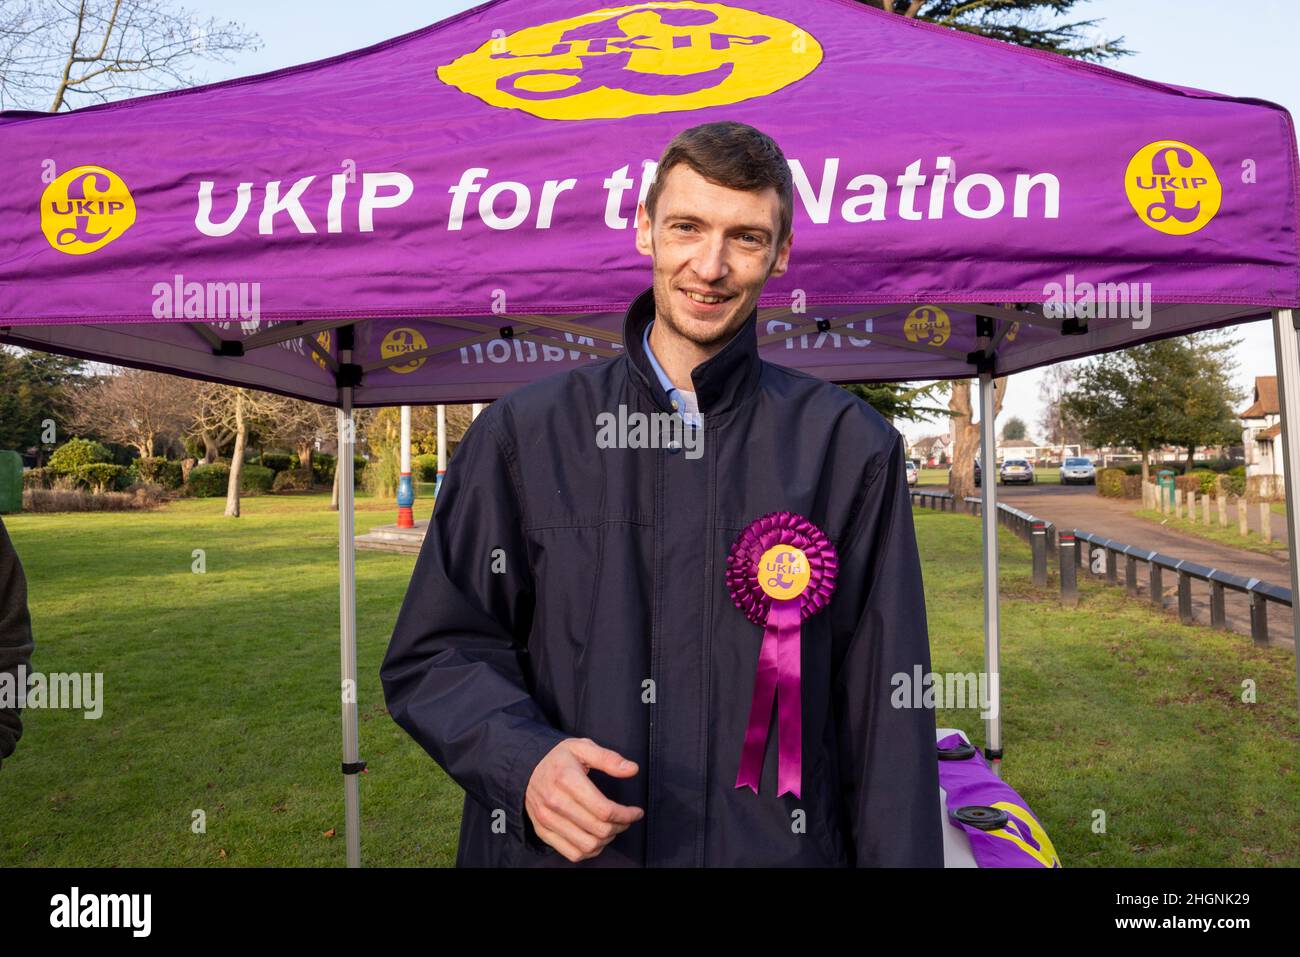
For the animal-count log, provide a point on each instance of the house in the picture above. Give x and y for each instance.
(1261, 427)
(931, 450)
(1018, 449)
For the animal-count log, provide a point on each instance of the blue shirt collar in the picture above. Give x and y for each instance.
(674, 393)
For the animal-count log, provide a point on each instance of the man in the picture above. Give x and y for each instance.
(568, 612)
(15, 639)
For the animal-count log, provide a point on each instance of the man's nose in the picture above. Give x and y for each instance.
(711, 261)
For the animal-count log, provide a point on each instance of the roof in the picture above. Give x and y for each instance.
(1266, 402)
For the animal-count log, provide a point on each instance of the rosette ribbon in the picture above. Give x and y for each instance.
(781, 570)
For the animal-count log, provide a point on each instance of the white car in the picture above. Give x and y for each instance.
(913, 473)
(1078, 470)
(1016, 470)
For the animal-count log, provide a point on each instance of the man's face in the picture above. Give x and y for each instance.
(714, 241)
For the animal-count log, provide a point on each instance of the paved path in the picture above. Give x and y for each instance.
(1081, 507)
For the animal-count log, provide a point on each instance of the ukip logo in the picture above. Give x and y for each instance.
(1173, 187)
(85, 209)
(398, 342)
(642, 58)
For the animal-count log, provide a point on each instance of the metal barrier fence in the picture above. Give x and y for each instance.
(1103, 559)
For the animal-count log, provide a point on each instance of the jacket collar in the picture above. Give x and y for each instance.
(722, 382)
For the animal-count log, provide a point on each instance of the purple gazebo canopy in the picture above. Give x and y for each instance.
(465, 197)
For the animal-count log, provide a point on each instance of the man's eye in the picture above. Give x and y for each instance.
(684, 226)
(751, 236)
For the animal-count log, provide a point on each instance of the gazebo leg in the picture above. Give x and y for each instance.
(352, 764)
(1286, 344)
(989, 518)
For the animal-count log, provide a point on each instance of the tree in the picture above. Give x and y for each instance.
(966, 436)
(1026, 23)
(134, 407)
(1014, 430)
(37, 399)
(1204, 397)
(1174, 390)
(236, 411)
(900, 401)
(1055, 424)
(94, 51)
(301, 425)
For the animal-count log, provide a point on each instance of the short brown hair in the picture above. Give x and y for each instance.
(734, 155)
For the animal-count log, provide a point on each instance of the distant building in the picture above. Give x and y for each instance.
(1261, 427)
(931, 450)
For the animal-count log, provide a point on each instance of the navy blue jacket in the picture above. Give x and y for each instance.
(569, 590)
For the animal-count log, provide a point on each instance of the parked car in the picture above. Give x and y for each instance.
(1016, 470)
(913, 473)
(977, 473)
(1076, 470)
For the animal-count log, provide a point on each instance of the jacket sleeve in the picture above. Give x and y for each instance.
(453, 676)
(889, 773)
(15, 636)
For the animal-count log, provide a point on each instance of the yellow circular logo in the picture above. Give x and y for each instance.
(632, 60)
(927, 324)
(399, 342)
(86, 209)
(783, 572)
(1173, 187)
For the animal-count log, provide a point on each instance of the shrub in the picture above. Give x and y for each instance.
(1110, 482)
(1234, 483)
(279, 461)
(75, 453)
(37, 478)
(157, 470)
(206, 481)
(102, 476)
(292, 480)
(424, 468)
(255, 478)
(322, 469)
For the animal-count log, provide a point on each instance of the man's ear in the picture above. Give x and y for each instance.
(644, 229)
(782, 257)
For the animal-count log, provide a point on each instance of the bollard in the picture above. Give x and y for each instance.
(1131, 575)
(1265, 521)
(1178, 503)
(1243, 522)
(1191, 506)
(1258, 618)
(1112, 566)
(1185, 598)
(1218, 617)
(1222, 501)
(1038, 543)
(1157, 586)
(1069, 563)
(1205, 509)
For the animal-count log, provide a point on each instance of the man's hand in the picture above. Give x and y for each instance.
(568, 812)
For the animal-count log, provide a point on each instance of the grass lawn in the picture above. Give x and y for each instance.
(222, 695)
(1251, 542)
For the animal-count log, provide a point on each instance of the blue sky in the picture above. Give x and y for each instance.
(1189, 42)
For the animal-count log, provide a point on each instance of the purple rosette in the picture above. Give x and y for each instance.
(780, 570)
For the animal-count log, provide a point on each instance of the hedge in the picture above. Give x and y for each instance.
(255, 478)
(156, 470)
(101, 476)
(292, 480)
(207, 481)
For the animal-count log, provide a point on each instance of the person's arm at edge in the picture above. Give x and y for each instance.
(15, 636)
(452, 675)
(889, 769)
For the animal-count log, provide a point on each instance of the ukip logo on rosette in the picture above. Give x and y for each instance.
(632, 60)
(781, 570)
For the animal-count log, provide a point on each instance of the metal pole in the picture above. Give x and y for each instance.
(348, 614)
(989, 520)
(442, 450)
(1286, 345)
